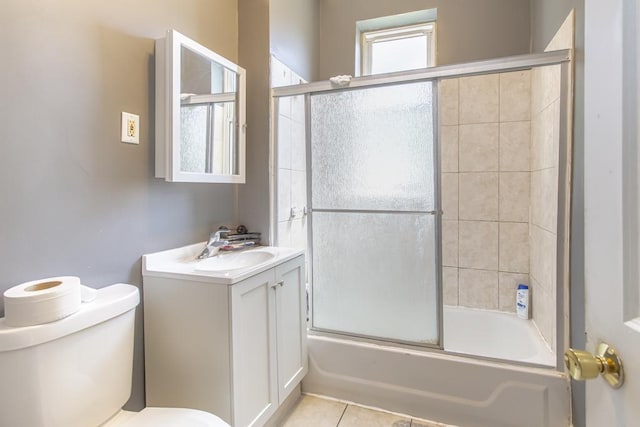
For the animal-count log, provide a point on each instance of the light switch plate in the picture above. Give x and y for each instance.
(130, 128)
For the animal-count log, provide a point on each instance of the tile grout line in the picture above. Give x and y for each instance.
(342, 415)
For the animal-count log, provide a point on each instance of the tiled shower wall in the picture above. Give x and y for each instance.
(545, 119)
(499, 139)
(485, 135)
(290, 161)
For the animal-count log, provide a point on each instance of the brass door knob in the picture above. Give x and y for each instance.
(583, 365)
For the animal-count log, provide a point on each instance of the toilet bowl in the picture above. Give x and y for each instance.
(76, 371)
(165, 417)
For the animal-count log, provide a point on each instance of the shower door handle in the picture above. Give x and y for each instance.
(583, 365)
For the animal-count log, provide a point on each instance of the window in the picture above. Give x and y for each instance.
(398, 49)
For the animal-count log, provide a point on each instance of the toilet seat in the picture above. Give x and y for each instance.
(166, 417)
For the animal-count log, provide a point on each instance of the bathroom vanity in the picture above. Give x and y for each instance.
(225, 334)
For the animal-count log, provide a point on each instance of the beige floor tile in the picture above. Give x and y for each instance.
(356, 416)
(311, 411)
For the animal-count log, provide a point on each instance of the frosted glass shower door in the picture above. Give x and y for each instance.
(373, 213)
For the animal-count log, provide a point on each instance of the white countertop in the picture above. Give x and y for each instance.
(182, 263)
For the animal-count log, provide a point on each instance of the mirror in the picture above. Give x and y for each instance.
(200, 113)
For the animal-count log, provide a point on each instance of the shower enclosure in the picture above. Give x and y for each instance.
(424, 198)
(374, 251)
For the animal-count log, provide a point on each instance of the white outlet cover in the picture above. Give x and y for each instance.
(130, 128)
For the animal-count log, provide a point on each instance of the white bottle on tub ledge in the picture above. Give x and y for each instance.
(522, 301)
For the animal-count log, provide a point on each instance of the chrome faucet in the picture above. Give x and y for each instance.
(213, 245)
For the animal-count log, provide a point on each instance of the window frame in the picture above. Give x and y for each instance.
(369, 38)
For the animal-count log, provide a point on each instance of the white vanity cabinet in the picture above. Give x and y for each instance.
(236, 350)
(268, 334)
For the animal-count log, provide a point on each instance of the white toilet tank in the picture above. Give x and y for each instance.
(72, 372)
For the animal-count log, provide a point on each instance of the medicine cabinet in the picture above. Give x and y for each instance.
(200, 113)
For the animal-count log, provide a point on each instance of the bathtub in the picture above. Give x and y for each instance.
(496, 335)
(447, 387)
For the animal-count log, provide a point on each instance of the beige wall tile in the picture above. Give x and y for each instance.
(479, 99)
(514, 196)
(450, 243)
(538, 310)
(563, 39)
(478, 196)
(543, 309)
(507, 284)
(544, 139)
(478, 245)
(548, 278)
(449, 148)
(515, 96)
(544, 199)
(515, 146)
(478, 288)
(479, 147)
(514, 247)
(549, 200)
(450, 285)
(555, 160)
(535, 202)
(535, 252)
(545, 87)
(541, 137)
(550, 84)
(536, 91)
(448, 101)
(449, 195)
(543, 263)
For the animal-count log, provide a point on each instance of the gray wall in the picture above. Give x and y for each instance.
(288, 28)
(253, 200)
(74, 200)
(294, 35)
(467, 29)
(546, 18)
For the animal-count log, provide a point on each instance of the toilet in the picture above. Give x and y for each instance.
(76, 372)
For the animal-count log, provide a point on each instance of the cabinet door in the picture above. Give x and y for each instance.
(291, 321)
(255, 396)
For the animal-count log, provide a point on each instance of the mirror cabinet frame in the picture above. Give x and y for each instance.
(168, 103)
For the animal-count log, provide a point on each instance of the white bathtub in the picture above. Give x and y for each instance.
(496, 335)
(441, 386)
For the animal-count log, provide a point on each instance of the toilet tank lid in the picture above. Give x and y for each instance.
(111, 301)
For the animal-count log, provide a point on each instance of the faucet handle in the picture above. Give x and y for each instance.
(215, 236)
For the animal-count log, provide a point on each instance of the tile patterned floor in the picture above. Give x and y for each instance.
(313, 411)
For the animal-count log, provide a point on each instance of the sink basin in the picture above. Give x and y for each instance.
(226, 268)
(234, 261)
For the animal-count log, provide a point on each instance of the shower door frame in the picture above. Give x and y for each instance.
(512, 63)
(436, 213)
